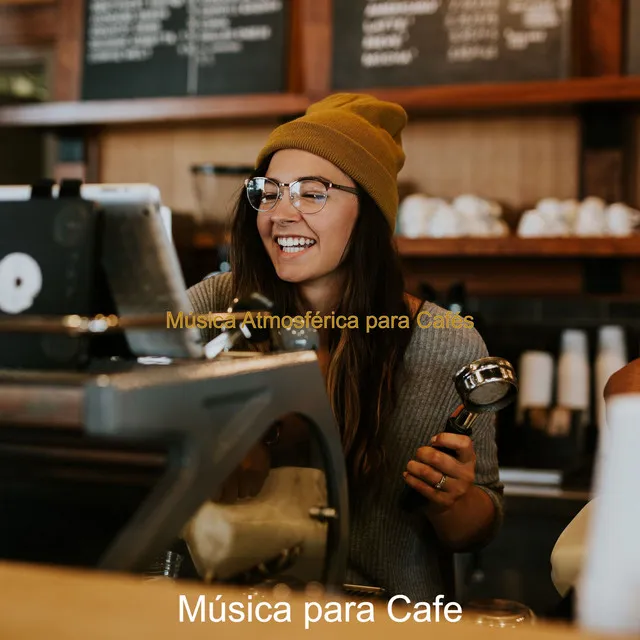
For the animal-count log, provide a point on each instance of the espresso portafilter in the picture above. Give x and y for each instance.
(486, 385)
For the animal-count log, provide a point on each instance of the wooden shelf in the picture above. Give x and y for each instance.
(514, 247)
(511, 247)
(573, 91)
(62, 114)
(416, 99)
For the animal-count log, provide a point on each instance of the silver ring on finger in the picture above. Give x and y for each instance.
(440, 485)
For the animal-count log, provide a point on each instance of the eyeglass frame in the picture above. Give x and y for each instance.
(327, 185)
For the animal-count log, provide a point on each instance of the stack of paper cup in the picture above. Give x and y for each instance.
(609, 588)
(535, 381)
(573, 371)
(612, 356)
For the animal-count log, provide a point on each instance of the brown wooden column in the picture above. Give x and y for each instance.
(599, 37)
(315, 33)
(607, 156)
(69, 50)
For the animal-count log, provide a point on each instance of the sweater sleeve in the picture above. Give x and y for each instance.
(487, 471)
(213, 295)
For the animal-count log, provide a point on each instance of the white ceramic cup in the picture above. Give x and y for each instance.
(531, 225)
(550, 208)
(445, 223)
(619, 219)
(471, 206)
(591, 219)
(413, 216)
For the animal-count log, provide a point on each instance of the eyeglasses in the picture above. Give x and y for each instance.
(307, 195)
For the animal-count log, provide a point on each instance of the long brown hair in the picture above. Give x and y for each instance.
(364, 367)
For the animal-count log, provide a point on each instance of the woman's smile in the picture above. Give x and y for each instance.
(292, 246)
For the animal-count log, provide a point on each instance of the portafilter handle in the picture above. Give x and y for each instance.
(486, 385)
(459, 423)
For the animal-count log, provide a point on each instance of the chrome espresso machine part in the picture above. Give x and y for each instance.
(211, 414)
(486, 385)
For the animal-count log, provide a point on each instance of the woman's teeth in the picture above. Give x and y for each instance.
(295, 245)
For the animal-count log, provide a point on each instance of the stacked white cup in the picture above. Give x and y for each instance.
(612, 356)
(573, 371)
(535, 381)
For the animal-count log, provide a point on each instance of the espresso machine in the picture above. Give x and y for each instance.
(115, 431)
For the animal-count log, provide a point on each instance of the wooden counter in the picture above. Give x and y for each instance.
(48, 603)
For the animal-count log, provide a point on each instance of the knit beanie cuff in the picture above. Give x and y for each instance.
(347, 154)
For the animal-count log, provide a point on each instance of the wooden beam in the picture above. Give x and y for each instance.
(507, 95)
(295, 79)
(599, 37)
(316, 46)
(148, 110)
(417, 100)
(29, 24)
(25, 2)
(69, 51)
(515, 247)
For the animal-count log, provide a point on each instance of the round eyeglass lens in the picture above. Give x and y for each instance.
(308, 196)
(262, 193)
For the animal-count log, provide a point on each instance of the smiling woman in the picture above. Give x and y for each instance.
(306, 235)
(313, 232)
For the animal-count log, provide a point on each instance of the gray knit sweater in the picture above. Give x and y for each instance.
(390, 548)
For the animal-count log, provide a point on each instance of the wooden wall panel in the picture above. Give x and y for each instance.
(516, 160)
(163, 156)
(486, 277)
(634, 163)
(512, 277)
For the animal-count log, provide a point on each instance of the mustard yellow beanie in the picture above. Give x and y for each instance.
(359, 134)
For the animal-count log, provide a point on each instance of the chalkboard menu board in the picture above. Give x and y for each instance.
(381, 43)
(162, 48)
